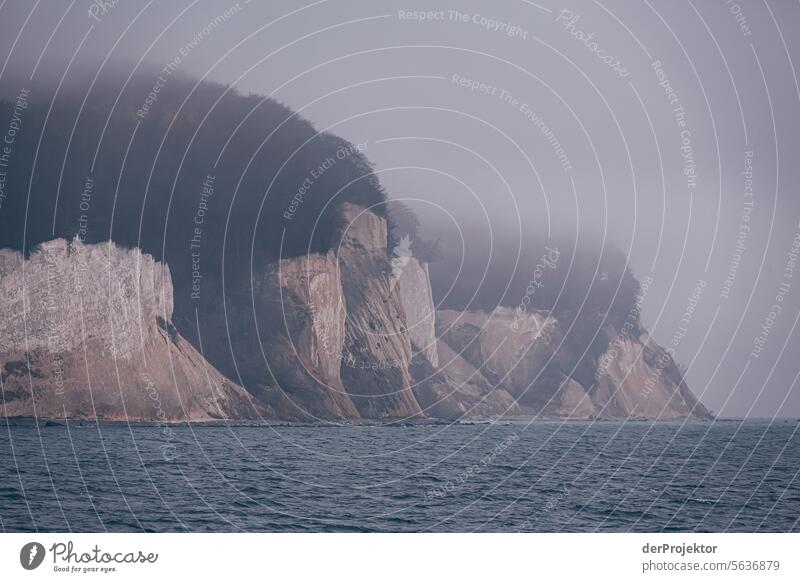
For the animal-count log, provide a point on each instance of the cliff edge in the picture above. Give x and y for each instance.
(86, 332)
(552, 369)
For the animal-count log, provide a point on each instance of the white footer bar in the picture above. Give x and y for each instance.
(401, 557)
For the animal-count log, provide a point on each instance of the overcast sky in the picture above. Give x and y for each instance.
(629, 120)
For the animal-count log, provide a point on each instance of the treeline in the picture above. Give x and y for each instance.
(404, 224)
(208, 180)
(108, 169)
(194, 173)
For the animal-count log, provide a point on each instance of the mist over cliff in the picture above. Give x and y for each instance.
(177, 167)
(193, 173)
(199, 175)
(562, 274)
(294, 275)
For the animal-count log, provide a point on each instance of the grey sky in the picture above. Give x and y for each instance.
(552, 138)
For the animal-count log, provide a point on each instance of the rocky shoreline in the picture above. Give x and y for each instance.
(82, 423)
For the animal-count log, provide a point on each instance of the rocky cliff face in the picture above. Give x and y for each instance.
(321, 337)
(445, 384)
(537, 363)
(377, 346)
(281, 337)
(637, 377)
(86, 332)
(355, 334)
(414, 286)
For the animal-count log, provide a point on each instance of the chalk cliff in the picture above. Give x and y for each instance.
(551, 373)
(354, 334)
(86, 332)
(637, 377)
(300, 307)
(445, 384)
(377, 347)
(412, 280)
(319, 337)
(282, 335)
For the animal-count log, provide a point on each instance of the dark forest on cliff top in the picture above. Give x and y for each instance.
(197, 167)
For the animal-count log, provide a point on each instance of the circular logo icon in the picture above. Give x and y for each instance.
(31, 555)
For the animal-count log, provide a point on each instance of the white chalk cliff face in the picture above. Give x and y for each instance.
(445, 384)
(474, 364)
(413, 283)
(301, 321)
(86, 332)
(281, 337)
(321, 337)
(636, 377)
(377, 347)
(539, 367)
(355, 335)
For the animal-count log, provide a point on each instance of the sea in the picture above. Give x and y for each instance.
(541, 476)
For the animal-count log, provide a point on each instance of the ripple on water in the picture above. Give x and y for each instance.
(574, 477)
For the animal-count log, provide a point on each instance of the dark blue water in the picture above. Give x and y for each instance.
(723, 476)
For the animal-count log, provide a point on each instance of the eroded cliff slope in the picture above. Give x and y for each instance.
(355, 335)
(319, 337)
(349, 335)
(377, 347)
(86, 332)
(548, 367)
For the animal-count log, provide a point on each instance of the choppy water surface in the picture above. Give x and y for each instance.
(727, 475)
